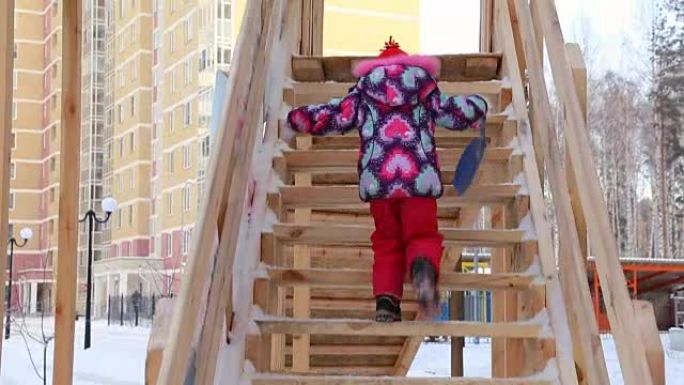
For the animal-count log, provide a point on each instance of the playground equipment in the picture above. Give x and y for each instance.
(278, 287)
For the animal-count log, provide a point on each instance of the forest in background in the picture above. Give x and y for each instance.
(636, 125)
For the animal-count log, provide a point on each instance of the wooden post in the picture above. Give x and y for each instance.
(456, 314)
(618, 303)
(648, 333)
(66, 266)
(579, 74)
(302, 259)
(317, 11)
(486, 21)
(6, 76)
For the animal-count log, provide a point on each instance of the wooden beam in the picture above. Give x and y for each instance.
(407, 328)
(67, 253)
(555, 301)
(649, 336)
(456, 313)
(360, 235)
(317, 27)
(618, 303)
(486, 25)
(579, 74)
(274, 379)
(6, 90)
(588, 360)
(362, 278)
(238, 113)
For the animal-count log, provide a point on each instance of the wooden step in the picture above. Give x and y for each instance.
(339, 327)
(347, 370)
(351, 350)
(360, 235)
(348, 196)
(363, 278)
(279, 379)
(319, 93)
(460, 67)
(302, 160)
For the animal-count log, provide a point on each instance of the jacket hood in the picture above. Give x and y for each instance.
(397, 84)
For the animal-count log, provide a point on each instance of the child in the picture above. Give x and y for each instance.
(395, 105)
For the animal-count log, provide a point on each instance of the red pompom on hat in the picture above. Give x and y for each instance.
(392, 54)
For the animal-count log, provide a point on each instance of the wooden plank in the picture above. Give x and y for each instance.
(336, 196)
(317, 27)
(351, 350)
(306, 23)
(362, 278)
(347, 370)
(349, 158)
(648, 331)
(360, 235)
(66, 277)
(554, 296)
(272, 379)
(6, 90)
(482, 67)
(158, 336)
(308, 69)
(618, 304)
(249, 62)
(302, 260)
(579, 74)
(456, 313)
(486, 22)
(406, 328)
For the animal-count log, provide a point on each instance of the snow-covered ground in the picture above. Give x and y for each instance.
(117, 357)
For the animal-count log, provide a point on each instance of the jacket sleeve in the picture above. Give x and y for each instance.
(458, 112)
(336, 117)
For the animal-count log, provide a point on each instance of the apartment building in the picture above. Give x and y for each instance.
(34, 188)
(149, 69)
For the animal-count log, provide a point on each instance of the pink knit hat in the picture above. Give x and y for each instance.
(392, 54)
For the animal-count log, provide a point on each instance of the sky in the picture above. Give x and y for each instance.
(612, 32)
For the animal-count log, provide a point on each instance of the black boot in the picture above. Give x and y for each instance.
(424, 277)
(387, 309)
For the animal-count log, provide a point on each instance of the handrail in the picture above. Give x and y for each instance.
(584, 328)
(618, 304)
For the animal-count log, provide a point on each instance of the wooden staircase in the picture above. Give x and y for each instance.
(278, 289)
(314, 285)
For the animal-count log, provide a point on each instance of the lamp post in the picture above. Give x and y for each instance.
(25, 235)
(108, 206)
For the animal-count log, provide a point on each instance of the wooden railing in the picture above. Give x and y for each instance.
(520, 30)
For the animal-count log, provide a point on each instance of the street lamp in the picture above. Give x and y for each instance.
(25, 235)
(108, 206)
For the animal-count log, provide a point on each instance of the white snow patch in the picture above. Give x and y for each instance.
(522, 181)
(541, 318)
(505, 82)
(269, 221)
(515, 145)
(527, 225)
(509, 111)
(261, 271)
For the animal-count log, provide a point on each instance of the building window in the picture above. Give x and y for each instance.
(187, 193)
(171, 162)
(122, 8)
(15, 80)
(171, 118)
(187, 69)
(187, 156)
(131, 179)
(169, 245)
(53, 163)
(122, 40)
(204, 60)
(205, 144)
(169, 201)
(134, 32)
(187, 114)
(121, 147)
(131, 141)
(119, 219)
(54, 70)
(172, 81)
(188, 29)
(185, 246)
(172, 41)
(13, 170)
(14, 140)
(133, 105)
(223, 11)
(11, 200)
(130, 214)
(51, 226)
(134, 69)
(52, 194)
(14, 110)
(119, 109)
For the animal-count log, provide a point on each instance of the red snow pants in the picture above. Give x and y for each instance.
(405, 228)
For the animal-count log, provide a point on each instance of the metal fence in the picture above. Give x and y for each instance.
(133, 310)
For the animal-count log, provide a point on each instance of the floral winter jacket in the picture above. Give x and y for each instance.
(395, 107)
